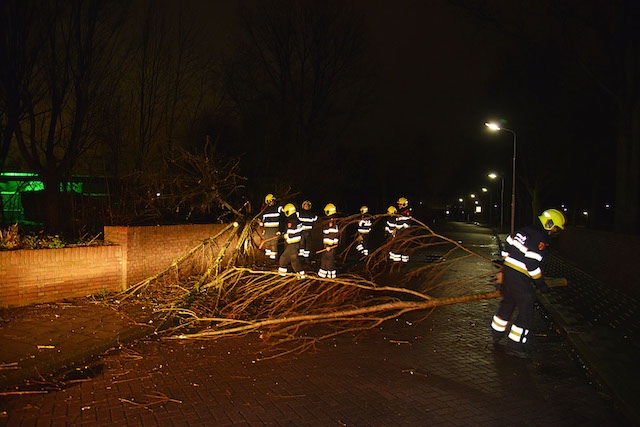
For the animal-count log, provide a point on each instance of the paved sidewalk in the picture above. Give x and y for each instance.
(602, 324)
(40, 340)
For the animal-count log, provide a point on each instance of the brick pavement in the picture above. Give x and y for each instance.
(40, 339)
(442, 370)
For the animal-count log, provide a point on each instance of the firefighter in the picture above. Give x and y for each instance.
(390, 231)
(523, 255)
(330, 241)
(307, 217)
(364, 229)
(403, 222)
(292, 238)
(270, 222)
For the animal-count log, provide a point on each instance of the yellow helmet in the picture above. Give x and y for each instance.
(392, 210)
(306, 202)
(403, 202)
(269, 197)
(289, 209)
(364, 210)
(330, 209)
(552, 218)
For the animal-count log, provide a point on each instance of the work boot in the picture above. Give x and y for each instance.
(517, 353)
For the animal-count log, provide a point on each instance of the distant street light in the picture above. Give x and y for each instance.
(495, 127)
(494, 176)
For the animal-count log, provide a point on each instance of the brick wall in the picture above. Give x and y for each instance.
(151, 249)
(36, 276)
(44, 275)
(608, 257)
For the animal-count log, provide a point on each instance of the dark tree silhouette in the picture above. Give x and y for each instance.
(297, 82)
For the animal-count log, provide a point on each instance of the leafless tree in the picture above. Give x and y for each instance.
(299, 78)
(167, 81)
(70, 46)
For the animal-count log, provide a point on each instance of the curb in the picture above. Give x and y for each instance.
(594, 364)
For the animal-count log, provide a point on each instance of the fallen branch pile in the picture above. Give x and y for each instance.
(233, 295)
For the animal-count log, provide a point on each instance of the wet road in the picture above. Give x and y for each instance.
(442, 369)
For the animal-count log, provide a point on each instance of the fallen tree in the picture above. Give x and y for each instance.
(232, 294)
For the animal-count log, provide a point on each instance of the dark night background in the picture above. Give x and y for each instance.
(351, 102)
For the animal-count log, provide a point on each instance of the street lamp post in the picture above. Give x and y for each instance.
(494, 176)
(493, 126)
(486, 190)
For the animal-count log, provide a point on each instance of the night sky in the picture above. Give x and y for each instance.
(439, 75)
(364, 101)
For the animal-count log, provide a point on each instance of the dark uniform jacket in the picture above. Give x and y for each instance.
(364, 225)
(271, 216)
(330, 232)
(293, 234)
(403, 221)
(307, 218)
(390, 227)
(525, 251)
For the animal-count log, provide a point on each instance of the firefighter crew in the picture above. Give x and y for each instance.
(403, 222)
(270, 222)
(390, 232)
(330, 241)
(292, 238)
(307, 217)
(523, 255)
(364, 229)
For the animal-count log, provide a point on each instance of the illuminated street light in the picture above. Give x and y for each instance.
(495, 127)
(495, 176)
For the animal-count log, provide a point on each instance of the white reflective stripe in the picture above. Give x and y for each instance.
(504, 254)
(498, 324)
(405, 258)
(514, 242)
(534, 255)
(271, 214)
(518, 264)
(515, 333)
(518, 334)
(330, 230)
(364, 223)
(306, 227)
(363, 230)
(300, 274)
(322, 273)
(282, 271)
(404, 218)
(332, 274)
(329, 241)
(271, 224)
(293, 239)
(536, 274)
